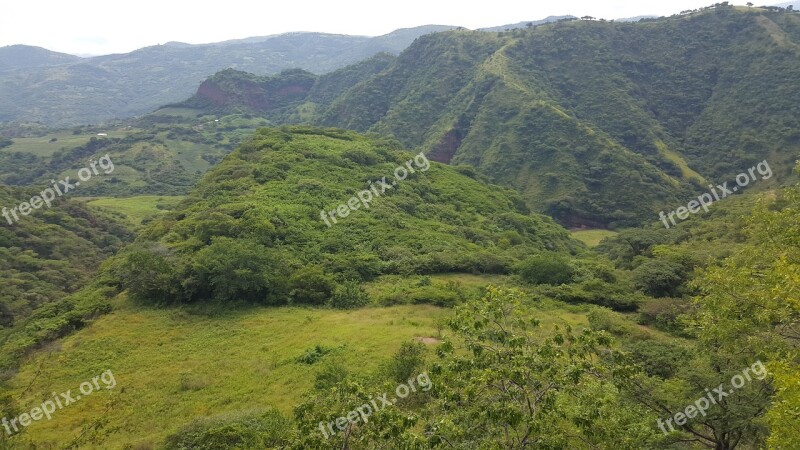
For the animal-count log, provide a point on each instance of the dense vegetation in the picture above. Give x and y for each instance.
(47, 256)
(596, 123)
(273, 304)
(252, 229)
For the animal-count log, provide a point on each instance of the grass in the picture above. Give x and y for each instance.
(45, 146)
(172, 366)
(136, 209)
(592, 238)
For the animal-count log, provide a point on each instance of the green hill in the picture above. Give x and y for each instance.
(327, 205)
(596, 123)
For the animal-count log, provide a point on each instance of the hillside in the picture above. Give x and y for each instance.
(276, 203)
(47, 256)
(596, 123)
(102, 88)
(13, 57)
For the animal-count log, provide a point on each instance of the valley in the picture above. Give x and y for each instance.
(313, 220)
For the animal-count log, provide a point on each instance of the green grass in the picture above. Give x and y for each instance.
(44, 146)
(171, 366)
(135, 209)
(592, 238)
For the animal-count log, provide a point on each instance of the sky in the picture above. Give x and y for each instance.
(94, 27)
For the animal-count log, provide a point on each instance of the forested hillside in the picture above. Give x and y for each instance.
(596, 123)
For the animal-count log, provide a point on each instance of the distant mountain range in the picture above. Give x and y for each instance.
(16, 57)
(37, 85)
(55, 89)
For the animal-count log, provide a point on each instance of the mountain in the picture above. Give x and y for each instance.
(14, 57)
(101, 88)
(526, 24)
(596, 123)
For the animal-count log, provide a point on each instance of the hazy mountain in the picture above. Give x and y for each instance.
(525, 24)
(14, 57)
(97, 89)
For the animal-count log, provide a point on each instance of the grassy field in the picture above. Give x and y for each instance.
(45, 146)
(135, 209)
(592, 238)
(173, 365)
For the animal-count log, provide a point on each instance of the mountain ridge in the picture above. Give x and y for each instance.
(585, 117)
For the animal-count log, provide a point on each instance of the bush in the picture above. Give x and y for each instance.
(312, 286)
(550, 269)
(660, 278)
(408, 360)
(349, 295)
(660, 359)
(614, 323)
(595, 292)
(664, 314)
(147, 275)
(236, 431)
(312, 355)
(239, 269)
(329, 375)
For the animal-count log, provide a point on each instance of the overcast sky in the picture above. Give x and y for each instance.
(101, 27)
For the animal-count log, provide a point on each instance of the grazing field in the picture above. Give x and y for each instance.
(592, 238)
(45, 146)
(171, 366)
(136, 209)
(177, 364)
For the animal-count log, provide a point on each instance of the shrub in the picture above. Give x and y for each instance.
(408, 360)
(329, 375)
(312, 355)
(550, 269)
(614, 323)
(664, 313)
(595, 292)
(660, 359)
(659, 278)
(349, 295)
(311, 285)
(234, 431)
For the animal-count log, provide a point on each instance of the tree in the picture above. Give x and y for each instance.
(659, 278)
(311, 285)
(230, 270)
(516, 385)
(750, 305)
(148, 274)
(550, 269)
(349, 295)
